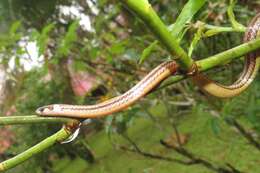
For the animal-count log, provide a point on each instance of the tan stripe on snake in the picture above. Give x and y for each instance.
(155, 77)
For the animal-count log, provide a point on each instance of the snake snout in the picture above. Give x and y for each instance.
(40, 110)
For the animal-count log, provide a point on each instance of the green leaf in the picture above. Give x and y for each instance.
(109, 58)
(147, 51)
(196, 39)
(20, 51)
(187, 13)
(43, 38)
(68, 40)
(117, 48)
(15, 26)
(94, 52)
(13, 34)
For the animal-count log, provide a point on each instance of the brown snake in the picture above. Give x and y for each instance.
(155, 77)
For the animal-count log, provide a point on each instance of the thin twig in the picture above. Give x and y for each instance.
(198, 160)
(31, 119)
(150, 155)
(244, 132)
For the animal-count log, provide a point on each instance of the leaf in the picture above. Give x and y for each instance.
(68, 40)
(43, 38)
(13, 35)
(94, 52)
(147, 51)
(187, 13)
(196, 39)
(117, 48)
(20, 51)
(15, 26)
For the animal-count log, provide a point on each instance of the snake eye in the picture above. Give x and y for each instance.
(44, 109)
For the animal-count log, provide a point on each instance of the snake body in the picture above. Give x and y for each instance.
(116, 104)
(155, 77)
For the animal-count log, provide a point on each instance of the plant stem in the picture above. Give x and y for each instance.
(144, 10)
(213, 30)
(31, 119)
(228, 55)
(46, 143)
(224, 28)
(218, 59)
(231, 16)
(67, 130)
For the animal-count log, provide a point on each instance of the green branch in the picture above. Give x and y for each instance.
(232, 18)
(213, 30)
(31, 119)
(223, 28)
(228, 55)
(144, 10)
(58, 137)
(218, 59)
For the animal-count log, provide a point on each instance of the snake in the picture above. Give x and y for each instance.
(155, 77)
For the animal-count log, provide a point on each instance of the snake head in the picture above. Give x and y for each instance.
(46, 110)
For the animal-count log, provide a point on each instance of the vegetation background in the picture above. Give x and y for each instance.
(83, 52)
